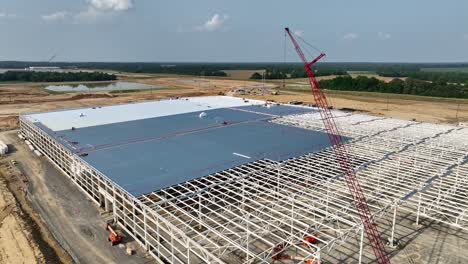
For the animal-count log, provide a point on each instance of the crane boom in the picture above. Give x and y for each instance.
(341, 156)
(51, 58)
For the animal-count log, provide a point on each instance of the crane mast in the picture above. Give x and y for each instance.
(341, 156)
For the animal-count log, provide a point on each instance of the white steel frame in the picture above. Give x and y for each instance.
(242, 214)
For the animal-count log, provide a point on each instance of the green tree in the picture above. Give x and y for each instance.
(256, 76)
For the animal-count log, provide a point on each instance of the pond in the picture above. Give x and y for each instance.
(111, 86)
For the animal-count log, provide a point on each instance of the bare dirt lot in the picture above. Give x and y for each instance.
(15, 243)
(426, 109)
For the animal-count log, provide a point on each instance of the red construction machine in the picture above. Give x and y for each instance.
(114, 237)
(278, 251)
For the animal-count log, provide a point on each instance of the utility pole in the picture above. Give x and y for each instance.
(456, 114)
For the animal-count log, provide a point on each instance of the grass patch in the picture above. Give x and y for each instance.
(12, 82)
(128, 91)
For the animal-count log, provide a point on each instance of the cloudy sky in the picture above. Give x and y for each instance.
(237, 31)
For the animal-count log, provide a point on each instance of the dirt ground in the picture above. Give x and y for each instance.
(428, 242)
(15, 244)
(434, 110)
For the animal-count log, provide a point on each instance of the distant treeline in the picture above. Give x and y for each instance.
(449, 77)
(183, 69)
(397, 86)
(198, 68)
(273, 70)
(56, 76)
(272, 74)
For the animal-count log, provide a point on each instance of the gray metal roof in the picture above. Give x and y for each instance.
(150, 154)
(151, 165)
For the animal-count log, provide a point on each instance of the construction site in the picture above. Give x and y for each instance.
(265, 186)
(222, 179)
(213, 170)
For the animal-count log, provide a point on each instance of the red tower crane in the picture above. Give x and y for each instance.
(341, 156)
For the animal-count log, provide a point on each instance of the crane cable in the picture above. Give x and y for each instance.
(320, 51)
(284, 60)
(315, 48)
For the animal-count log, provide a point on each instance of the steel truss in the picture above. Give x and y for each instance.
(243, 214)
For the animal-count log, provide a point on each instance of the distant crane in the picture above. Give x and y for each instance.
(51, 58)
(341, 155)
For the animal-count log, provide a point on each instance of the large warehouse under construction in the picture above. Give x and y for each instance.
(227, 180)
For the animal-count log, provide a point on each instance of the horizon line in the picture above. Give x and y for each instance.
(234, 62)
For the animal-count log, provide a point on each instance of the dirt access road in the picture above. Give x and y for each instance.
(23, 236)
(16, 245)
(69, 220)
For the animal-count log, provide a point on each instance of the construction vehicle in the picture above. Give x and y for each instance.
(275, 93)
(341, 156)
(114, 237)
(310, 240)
(278, 251)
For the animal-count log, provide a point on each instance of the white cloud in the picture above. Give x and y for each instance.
(57, 16)
(90, 15)
(384, 36)
(6, 15)
(215, 23)
(299, 32)
(350, 36)
(111, 5)
(97, 9)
